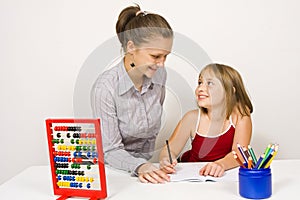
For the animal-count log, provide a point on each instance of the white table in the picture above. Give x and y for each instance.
(27, 185)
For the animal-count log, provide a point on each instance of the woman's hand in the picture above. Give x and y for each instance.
(166, 166)
(148, 173)
(212, 169)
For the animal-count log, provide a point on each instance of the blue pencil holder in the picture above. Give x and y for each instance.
(255, 183)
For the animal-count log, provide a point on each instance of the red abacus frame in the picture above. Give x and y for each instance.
(66, 136)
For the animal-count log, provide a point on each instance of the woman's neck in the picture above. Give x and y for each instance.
(134, 74)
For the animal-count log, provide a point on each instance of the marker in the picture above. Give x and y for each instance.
(169, 152)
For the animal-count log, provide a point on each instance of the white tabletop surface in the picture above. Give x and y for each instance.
(35, 183)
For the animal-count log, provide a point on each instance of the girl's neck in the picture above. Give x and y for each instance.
(214, 122)
(134, 74)
(217, 114)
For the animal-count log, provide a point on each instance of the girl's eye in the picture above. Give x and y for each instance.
(199, 82)
(154, 56)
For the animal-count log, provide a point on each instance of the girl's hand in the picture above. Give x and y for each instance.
(212, 169)
(148, 173)
(166, 166)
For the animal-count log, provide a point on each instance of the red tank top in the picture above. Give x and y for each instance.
(208, 149)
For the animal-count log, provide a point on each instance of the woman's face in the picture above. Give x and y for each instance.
(210, 91)
(150, 56)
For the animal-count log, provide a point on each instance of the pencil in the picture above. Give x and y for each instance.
(242, 152)
(267, 150)
(266, 154)
(246, 152)
(251, 151)
(238, 160)
(259, 161)
(250, 163)
(266, 160)
(275, 152)
(271, 149)
(169, 152)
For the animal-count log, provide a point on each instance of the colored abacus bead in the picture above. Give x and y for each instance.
(88, 186)
(95, 155)
(88, 154)
(55, 141)
(78, 148)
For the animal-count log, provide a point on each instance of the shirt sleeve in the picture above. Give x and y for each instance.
(103, 106)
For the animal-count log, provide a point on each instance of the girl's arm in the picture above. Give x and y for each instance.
(177, 141)
(242, 136)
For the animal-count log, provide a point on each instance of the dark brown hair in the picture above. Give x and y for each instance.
(140, 26)
(235, 92)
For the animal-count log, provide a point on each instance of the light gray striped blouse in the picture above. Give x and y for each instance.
(130, 120)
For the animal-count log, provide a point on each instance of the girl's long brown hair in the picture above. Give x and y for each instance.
(235, 92)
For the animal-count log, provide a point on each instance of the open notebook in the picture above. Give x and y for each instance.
(190, 172)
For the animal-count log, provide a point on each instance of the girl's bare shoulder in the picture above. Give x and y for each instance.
(236, 116)
(191, 115)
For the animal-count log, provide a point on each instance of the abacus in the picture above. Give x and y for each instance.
(76, 158)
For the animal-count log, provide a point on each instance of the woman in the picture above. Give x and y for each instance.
(128, 98)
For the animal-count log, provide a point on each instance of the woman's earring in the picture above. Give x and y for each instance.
(132, 64)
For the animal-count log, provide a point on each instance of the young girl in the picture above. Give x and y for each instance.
(222, 120)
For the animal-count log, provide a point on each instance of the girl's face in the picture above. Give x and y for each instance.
(150, 56)
(210, 91)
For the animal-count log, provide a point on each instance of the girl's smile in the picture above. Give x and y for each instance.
(210, 91)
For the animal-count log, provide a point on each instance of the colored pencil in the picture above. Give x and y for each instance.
(259, 161)
(266, 153)
(251, 151)
(275, 152)
(242, 152)
(266, 160)
(247, 154)
(250, 163)
(239, 161)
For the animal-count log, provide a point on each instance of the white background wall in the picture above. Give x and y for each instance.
(43, 45)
